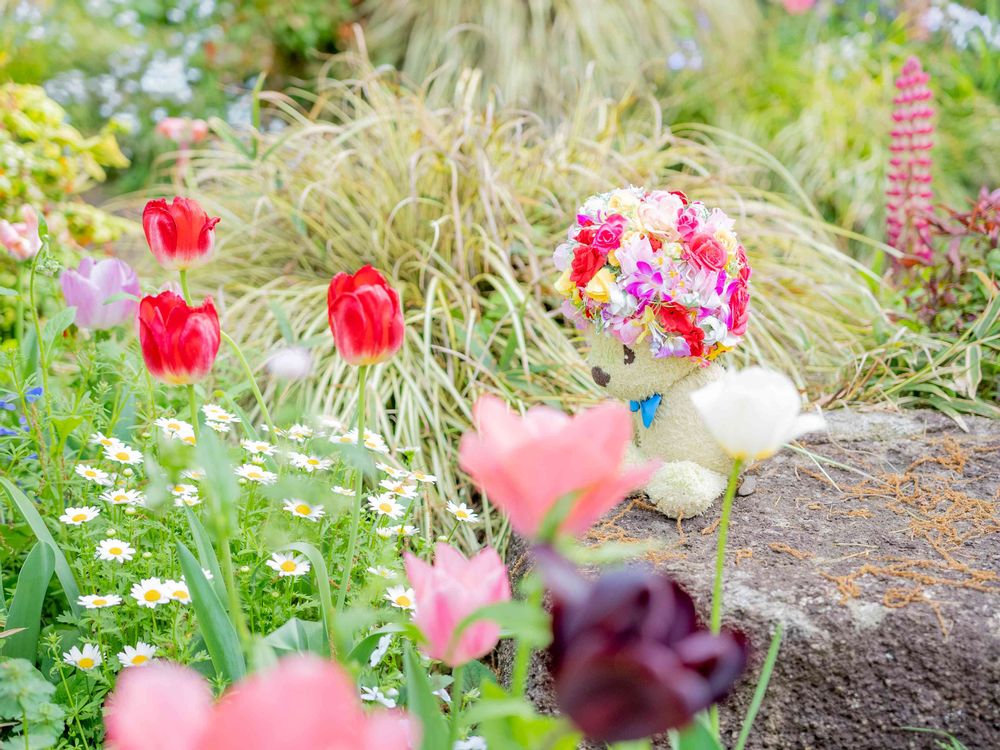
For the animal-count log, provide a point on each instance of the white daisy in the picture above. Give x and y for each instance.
(258, 447)
(385, 505)
(177, 591)
(137, 655)
(380, 650)
(99, 601)
(187, 500)
(375, 442)
(473, 742)
(333, 424)
(174, 428)
(79, 516)
(392, 471)
(254, 473)
(402, 487)
(123, 454)
(99, 438)
(406, 530)
(195, 475)
(424, 477)
(218, 426)
(309, 463)
(93, 475)
(463, 512)
(123, 497)
(86, 658)
(382, 571)
(401, 597)
(288, 565)
(375, 695)
(345, 491)
(183, 489)
(215, 413)
(114, 550)
(303, 509)
(150, 592)
(442, 693)
(300, 433)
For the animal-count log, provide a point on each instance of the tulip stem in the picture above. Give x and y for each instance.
(359, 482)
(720, 560)
(253, 382)
(457, 696)
(184, 286)
(193, 402)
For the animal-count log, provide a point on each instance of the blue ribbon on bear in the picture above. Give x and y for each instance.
(648, 406)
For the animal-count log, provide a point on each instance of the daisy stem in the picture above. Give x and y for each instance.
(457, 694)
(359, 483)
(193, 401)
(720, 559)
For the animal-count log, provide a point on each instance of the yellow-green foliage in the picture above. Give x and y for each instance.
(461, 206)
(46, 162)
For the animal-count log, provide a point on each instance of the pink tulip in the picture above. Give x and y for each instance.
(182, 130)
(304, 702)
(89, 287)
(21, 238)
(449, 591)
(527, 464)
(797, 7)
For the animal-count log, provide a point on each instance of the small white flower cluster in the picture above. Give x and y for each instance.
(89, 656)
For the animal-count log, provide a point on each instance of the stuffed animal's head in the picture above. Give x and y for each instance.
(633, 373)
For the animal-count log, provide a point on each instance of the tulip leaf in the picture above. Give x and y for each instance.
(299, 636)
(26, 608)
(508, 723)
(220, 636)
(696, 736)
(363, 649)
(206, 555)
(518, 619)
(42, 534)
(423, 704)
(758, 693)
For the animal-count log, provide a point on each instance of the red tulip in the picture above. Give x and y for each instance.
(179, 343)
(365, 317)
(181, 235)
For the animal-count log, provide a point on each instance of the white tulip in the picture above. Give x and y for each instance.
(754, 412)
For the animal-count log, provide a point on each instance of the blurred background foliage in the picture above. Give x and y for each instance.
(447, 140)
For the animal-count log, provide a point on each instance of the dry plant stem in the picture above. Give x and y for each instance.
(720, 560)
(359, 482)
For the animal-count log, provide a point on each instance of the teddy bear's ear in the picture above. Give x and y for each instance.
(629, 355)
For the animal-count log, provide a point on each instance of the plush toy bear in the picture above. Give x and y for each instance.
(666, 428)
(661, 284)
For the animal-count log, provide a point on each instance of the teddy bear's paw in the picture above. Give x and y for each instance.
(684, 488)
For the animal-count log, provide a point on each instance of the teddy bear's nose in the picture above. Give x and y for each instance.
(600, 377)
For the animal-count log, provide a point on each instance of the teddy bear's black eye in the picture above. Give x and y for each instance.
(629, 356)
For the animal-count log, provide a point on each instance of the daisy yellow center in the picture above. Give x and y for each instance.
(385, 507)
(403, 600)
(122, 456)
(461, 514)
(254, 474)
(189, 439)
(86, 662)
(100, 602)
(312, 461)
(288, 566)
(180, 594)
(139, 659)
(303, 509)
(152, 595)
(80, 517)
(115, 550)
(89, 473)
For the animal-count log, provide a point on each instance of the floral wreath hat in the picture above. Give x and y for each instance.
(656, 268)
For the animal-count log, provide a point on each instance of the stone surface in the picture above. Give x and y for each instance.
(879, 553)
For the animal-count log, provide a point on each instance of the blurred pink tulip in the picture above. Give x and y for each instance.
(92, 283)
(304, 702)
(797, 7)
(182, 130)
(527, 464)
(449, 591)
(21, 238)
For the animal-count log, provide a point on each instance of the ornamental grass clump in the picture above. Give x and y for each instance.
(460, 205)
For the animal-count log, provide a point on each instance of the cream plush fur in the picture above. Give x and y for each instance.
(694, 469)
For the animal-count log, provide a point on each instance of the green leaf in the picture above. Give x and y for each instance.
(761, 689)
(41, 531)
(58, 323)
(696, 736)
(299, 636)
(206, 555)
(509, 723)
(220, 636)
(363, 649)
(423, 704)
(26, 607)
(973, 369)
(322, 585)
(519, 619)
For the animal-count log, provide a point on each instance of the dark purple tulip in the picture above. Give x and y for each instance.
(628, 656)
